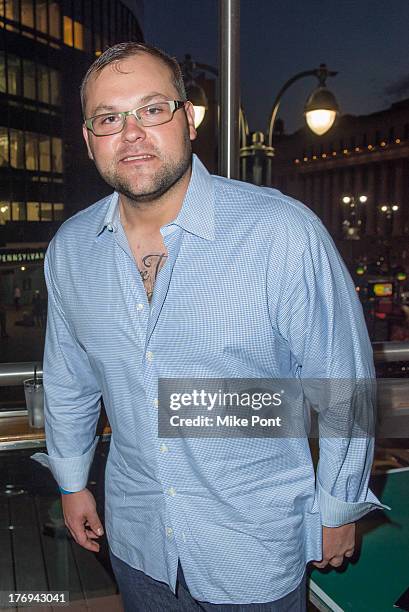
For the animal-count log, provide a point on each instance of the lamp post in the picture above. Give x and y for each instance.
(354, 215)
(320, 109)
(192, 72)
(388, 211)
(320, 112)
(195, 93)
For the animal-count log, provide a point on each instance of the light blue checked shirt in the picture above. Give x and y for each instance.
(253, 287)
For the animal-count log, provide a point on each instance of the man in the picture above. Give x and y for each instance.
(189, 275)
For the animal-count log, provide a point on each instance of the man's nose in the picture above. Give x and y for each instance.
(133, 130)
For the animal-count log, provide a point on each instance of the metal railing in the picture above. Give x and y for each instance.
(388, 352)
(13, 374)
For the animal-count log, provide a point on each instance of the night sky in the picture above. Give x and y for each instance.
(365, 40)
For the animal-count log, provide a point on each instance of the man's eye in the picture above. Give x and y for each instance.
(110, 119)
(153, 110)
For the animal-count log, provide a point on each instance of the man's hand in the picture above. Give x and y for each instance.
(337, 543)
(81, 518)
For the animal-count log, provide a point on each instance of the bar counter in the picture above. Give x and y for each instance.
(15, 432)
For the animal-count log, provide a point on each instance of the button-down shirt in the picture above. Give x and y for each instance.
(254, 288)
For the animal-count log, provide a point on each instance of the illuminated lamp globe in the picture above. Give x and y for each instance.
(197, 96)
(321, 110)
(363, 199)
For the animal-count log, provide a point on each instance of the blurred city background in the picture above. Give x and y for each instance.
(346, 61)
(355, 176)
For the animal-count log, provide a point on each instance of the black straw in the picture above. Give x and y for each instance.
(35, 375)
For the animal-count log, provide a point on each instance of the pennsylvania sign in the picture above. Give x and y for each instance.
(17, 256)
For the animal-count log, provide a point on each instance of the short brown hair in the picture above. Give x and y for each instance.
(125, 50)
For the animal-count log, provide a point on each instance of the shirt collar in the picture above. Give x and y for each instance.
(196, 214)
(111, 218)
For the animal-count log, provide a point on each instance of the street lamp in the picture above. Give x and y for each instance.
(198, 98)
(354, 215)
(388, 211)
(320, 110)
(195, 93)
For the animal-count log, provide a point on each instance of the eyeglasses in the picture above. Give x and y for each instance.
(148, 116)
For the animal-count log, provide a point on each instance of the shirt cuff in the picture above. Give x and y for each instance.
(71, 473)
(335, 512)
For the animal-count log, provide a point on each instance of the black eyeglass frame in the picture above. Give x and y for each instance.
(174, 105)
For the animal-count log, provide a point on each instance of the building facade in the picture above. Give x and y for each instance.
(46, 47)
(356, 178)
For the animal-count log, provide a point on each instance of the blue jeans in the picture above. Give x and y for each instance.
(141, 593)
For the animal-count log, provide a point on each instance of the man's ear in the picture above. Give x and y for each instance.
(190, 115)
(85, 134)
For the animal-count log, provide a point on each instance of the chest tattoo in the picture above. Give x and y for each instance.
(149, 269)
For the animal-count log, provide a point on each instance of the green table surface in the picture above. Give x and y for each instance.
(379, 572)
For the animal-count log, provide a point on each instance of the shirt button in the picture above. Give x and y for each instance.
(169, 532)
(172, 491)
(149, 356)
(163, 448)
(156, 402)
(139, 307)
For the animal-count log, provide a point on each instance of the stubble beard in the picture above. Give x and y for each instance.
(161, 182)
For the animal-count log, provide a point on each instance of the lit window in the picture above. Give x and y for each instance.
(16, 149)
(31, 151)
(45, 157)
(33, 211)
(78, 35)
(46, 211)
(43, 84)
(18, 211)
(12, 10)
(41, 16)
(68, 33)
(29, 81)
(55, 19)
(57, 164)
(27, 14)
(5, 212)
(73, 33)
(58, 212)
(4, 147)
(14, 75)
